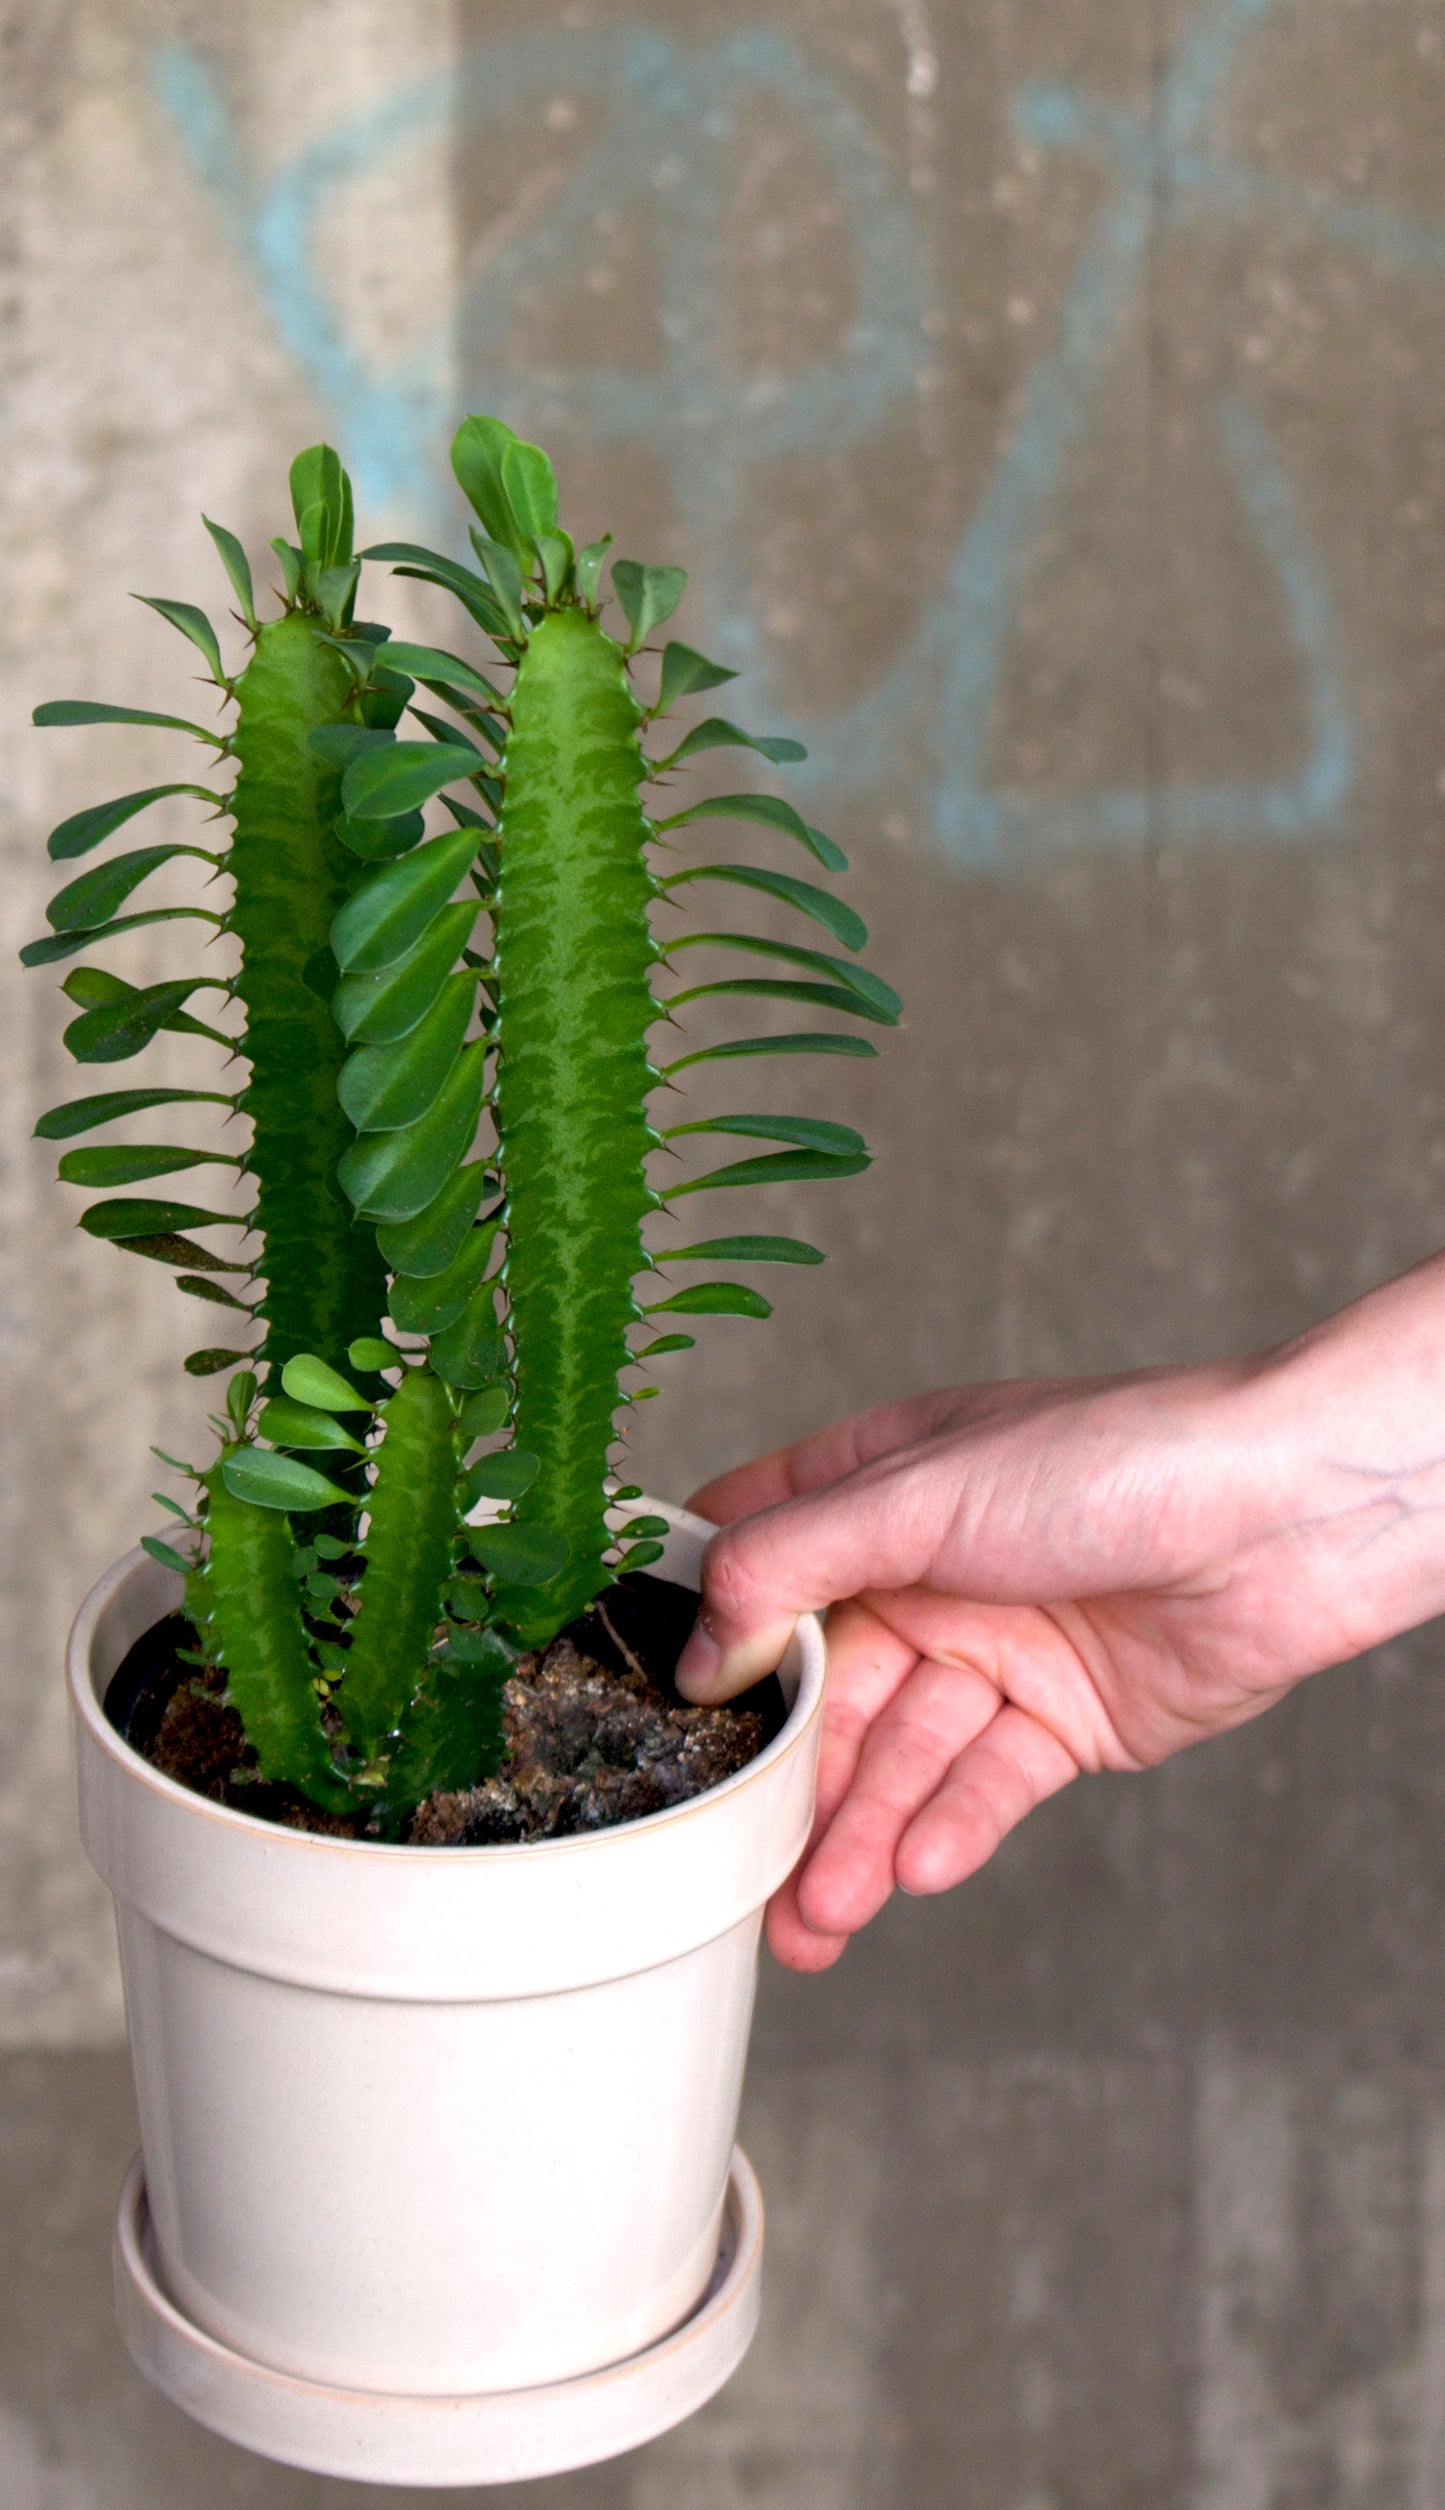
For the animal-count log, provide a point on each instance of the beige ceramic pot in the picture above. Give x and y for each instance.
(437, 2143)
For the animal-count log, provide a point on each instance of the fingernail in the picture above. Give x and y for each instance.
(698, 1665)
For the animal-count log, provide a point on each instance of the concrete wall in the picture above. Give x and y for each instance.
(1046, 398)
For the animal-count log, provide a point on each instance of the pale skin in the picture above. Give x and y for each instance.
(1027, 1582)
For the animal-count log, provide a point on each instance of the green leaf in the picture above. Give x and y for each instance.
(484, 1413)
(712, 1298)
(482, 1647)
(126, 1165)
(308, 1380)
(269, 1480)
(641, 1556)
(787, 1167)
(525, 1555)
(794, 1042)
(391, 911)
(80, 1115)
(648, 594)
(381, 840)
(470, 1353)
(780, 989)
(387, 782)
(809, 1132)
(194, 624)
(430, 1304)
(340, 743)
(165, 1553)
(765, 810)
(238, 569)
(832, 913)
(163, 1248)
(432, 662)
(559, 561)
(393, 1176)
(240, 1395)
(505, 1475)
(471, 590)
(479, 450)
(716, 734)
(288, 1424)
(644, 1529)
(374, 1009)
(210, 1363)
(880, 1000)
(685, 673)
(384, 1087)
(665, 1342)
(95, 897)
(588, 571)
(64, 711)
(426, 1245)
(53, 946)
(321, 503)
(133, 1216)
(529, 484)
(86, 829)
(370, 1353)
(291, 563)
(743, 1251)
(212, 1291)
(123, 1025)
(448, 734)
(504, 574)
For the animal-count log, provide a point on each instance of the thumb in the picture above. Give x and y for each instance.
(746, 1617)
(881, 1526)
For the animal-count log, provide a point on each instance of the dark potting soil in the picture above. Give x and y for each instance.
(595, 1731)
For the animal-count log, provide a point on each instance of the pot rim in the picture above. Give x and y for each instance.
(90, 1714)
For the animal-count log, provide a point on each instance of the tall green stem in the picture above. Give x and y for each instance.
(573, 953)
(325, 1283)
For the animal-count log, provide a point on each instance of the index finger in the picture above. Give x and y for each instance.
(823, 1457)
(880, 1527)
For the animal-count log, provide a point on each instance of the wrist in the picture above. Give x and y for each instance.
(1344, 1430)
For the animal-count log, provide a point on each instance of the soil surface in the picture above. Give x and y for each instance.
(595, 1731)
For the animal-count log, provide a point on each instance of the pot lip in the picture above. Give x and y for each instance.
(129, 1764)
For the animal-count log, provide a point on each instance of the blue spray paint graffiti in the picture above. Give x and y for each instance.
(666, 117)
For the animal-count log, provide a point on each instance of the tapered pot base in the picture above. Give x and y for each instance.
(496, 2438)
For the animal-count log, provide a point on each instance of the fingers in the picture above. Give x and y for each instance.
(1012, 1767)
(904, 1759)
(793, 1941)
(925, 1766)
(812, 1463)
(867, 1666)
(882, 1526)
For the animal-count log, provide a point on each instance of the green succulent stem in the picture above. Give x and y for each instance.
(413, 1515)
(573, 960)
(325, 1283)
(255, 1630)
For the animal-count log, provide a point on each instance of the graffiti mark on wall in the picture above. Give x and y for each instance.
(664, 118)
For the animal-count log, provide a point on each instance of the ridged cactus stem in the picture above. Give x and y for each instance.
(573, 955)
(325, 1283)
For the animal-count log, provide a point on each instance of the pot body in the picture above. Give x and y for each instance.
(434, 2121)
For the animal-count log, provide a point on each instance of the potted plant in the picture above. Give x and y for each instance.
(438, 2042)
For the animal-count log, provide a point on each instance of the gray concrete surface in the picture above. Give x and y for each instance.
(1046, 396)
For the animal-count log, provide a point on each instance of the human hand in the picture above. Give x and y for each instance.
(1033, 1581)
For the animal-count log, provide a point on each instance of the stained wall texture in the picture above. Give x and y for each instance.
(1045, 398)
